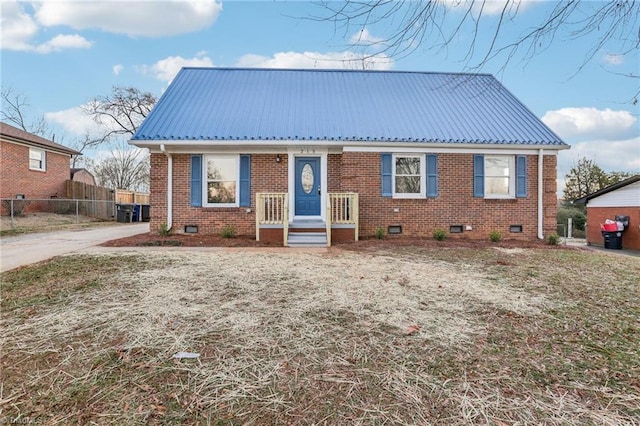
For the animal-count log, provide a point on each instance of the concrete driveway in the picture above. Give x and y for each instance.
(32, 248)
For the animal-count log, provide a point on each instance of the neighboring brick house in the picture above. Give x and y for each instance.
(294, 154)
(620, 199)
(82, 175)
(32, 166)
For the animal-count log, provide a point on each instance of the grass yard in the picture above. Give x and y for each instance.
(384, 336)
(46, 222)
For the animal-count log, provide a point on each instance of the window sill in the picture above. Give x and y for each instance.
(499, 197)
(408, 197)
(222, 206)
(37, 170)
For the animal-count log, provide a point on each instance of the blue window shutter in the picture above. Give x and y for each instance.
(386, 175)
(245, 180)
(196, 180)
(478, 175)
(521, 176)
(432, 175)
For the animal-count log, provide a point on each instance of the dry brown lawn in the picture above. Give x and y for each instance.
(44, 222)
(382, 336)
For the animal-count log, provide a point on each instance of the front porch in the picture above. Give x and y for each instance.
(275, 220)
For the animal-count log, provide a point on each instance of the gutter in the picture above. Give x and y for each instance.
(353, 144)
(169, 187)
(540, 194)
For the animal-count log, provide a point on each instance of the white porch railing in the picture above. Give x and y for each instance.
(272, 208)
(342, 209)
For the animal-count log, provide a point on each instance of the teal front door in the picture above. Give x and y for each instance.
(308, 191)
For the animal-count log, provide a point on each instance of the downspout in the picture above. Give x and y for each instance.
(540, 194)
(169, 187)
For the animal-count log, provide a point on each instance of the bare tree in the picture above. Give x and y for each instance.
(119, 114)
(14, 111)
(123, 168)
(586, 177)
(81, 144)
(121, 111)
(436, 24)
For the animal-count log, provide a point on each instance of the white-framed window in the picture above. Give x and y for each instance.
(37, 159)
(408, 176)
(221, 186)
(499, 176)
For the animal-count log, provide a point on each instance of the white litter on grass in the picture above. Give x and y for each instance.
(186, 355)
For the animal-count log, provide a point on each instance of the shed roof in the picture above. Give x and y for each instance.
(608, 189)
(342, 105)
(17, 135)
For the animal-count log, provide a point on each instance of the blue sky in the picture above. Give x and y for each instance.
(61, 54)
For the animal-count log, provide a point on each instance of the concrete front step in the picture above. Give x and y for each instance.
(307, 224)
(307, 239)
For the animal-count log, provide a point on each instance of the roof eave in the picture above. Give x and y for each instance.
(184, 143)
(618, 185)
(61, 150)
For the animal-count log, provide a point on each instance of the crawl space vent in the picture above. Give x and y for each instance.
(394, 229)
(455, 229)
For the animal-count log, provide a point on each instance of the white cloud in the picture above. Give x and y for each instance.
(61, 42)
(489, 7)
(117, 69)
(19, 30)
(591, 123)
(621, 155)
(613, 59)
(138, 18)
(335, 60)
(75, 121)
(167, 68)
(610, 138)
(365, 38)
(17, 27)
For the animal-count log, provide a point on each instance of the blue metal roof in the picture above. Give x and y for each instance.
(341, 105)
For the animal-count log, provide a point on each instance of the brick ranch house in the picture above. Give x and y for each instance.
(315, 156)
(619, 199)
(32, 166)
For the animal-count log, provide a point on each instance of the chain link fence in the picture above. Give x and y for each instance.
(571, 229)
(48, 213)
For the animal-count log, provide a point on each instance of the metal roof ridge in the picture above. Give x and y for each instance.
(331, 70)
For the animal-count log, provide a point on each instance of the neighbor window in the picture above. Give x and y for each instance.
(408, 176)
(221, 182)
(37, 159)
(499, 176)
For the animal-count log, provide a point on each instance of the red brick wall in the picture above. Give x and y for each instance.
(597, 215)
(266, 176)
(455, 204)
(17, 178)
(360, 172)
(334, 172)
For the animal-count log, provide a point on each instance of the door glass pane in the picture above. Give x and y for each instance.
(307, 178)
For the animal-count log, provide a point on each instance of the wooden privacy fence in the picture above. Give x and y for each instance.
(130, 197)
(84, 191)
(99, 201)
